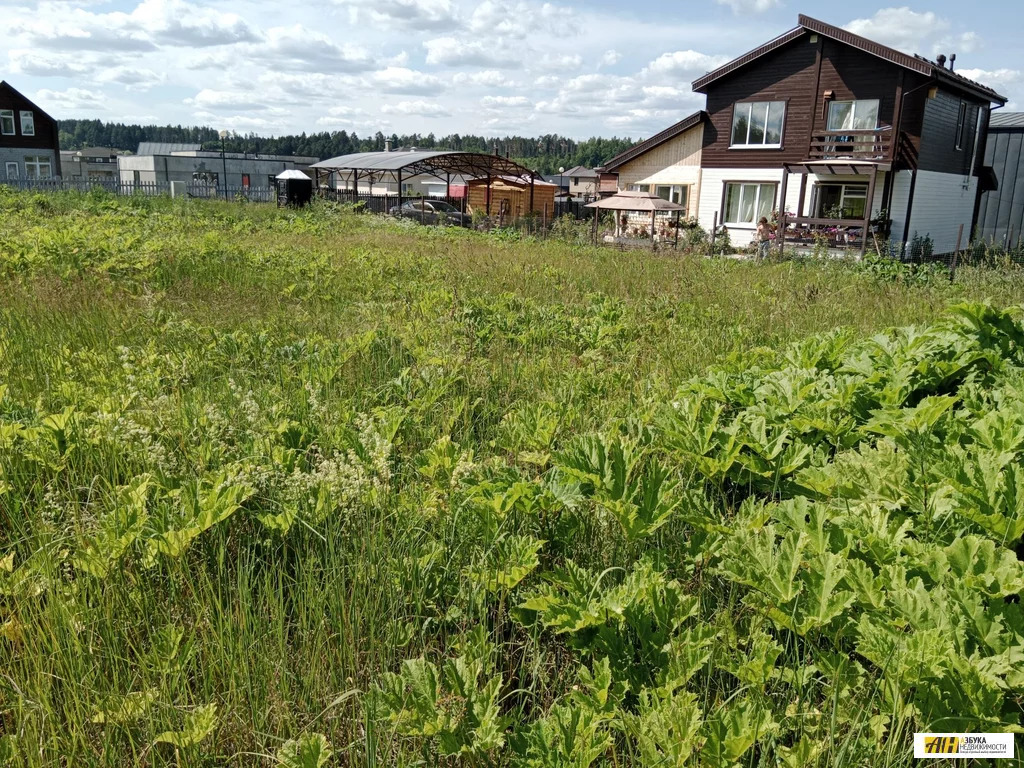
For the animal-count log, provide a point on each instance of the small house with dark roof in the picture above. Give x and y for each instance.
(1000, 217)
(836, 129)
(666, 165)
(29, 143)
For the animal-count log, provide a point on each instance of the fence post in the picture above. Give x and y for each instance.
(956, 253)
(714, 231)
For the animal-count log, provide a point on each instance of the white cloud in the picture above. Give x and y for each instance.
(70, 100)
(901, 28)
(418, 14)
(1008, 79)
(521, 19)
(750, 6)
(209, 100)
(504, 101)
(491, 78)
(418, 108)
(449, 52)
(35, 64)
(299, 49)
(684, 65)
(610, 58)
(404, 80)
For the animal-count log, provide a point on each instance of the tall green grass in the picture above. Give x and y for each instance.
(389, 403)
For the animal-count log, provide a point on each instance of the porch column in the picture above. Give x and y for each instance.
(399, 190)
(782, 205)
(867, 210)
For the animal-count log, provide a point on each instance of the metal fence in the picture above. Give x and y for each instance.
(146, 188)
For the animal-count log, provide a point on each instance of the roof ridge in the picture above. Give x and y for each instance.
(659, 138)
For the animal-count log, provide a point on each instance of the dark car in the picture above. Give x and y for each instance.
(431, 212)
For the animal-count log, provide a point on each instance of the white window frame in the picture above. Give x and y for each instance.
(858, 190)
(640, 188)
(854, 103)
(749, 106)
(757, 200)
(34, 165)
(30, 122)
(7, 119)
(17, 172)
(677, 193)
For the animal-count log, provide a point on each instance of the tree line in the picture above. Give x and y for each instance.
(545, 154)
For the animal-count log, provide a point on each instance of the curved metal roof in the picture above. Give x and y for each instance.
(425, 162)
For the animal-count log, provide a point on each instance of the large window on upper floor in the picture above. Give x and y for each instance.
(6, 122)
(28, 123)
(861, 115)
(961, 125)
(758, 124)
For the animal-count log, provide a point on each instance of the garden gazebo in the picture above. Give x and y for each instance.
(638, 202)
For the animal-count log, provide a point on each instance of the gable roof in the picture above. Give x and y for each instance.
(35, 107)
(805, 25)
(656, 140)
(580, 171)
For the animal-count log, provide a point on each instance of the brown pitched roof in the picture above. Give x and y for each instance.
(806, 24)
(657, 139)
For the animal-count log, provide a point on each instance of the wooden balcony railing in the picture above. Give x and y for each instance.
(855, 145)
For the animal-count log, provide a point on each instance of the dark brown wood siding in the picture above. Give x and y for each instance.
(46, 127)
(938, 141)
(791, 73)
(787, 74)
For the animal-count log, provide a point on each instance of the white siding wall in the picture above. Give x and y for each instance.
(900, 200)
(942, 202)
(712, 193)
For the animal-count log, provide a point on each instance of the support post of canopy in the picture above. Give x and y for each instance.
(488, 206)
(399, 190)
(447, 185)
(531, 192)
(867, 210)
(782, 203)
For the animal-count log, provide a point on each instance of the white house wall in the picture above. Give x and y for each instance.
(712, 194)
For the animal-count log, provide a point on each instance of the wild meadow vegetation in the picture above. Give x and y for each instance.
(313, 488)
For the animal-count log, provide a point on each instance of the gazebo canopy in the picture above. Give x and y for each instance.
(393, 166)
(636, 201)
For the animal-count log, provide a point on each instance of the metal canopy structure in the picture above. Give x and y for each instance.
(375, 167)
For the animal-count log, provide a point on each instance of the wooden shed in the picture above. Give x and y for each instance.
(508, 197)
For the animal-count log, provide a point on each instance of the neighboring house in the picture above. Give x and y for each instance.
(582, 182)
(1001, 208)
(667, 164)
(90, 164)
(561, 181)
(29, 144)
(216, 169)
(831, 125)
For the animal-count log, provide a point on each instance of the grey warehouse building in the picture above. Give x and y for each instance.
(1001, 211)
(162, 163)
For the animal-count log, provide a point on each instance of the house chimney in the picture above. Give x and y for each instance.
(941, 60)
(952, 61)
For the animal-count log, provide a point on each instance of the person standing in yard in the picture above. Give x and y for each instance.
(764, 238)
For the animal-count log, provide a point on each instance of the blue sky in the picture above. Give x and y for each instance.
(515, 66)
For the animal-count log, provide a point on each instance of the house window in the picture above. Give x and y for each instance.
(674, 193)
(28, 124)
(853, 115)
(640, 188)
(12, 171)
(758, 124)
(961, 125)
(7, 122)
(38, 167)
(841, 201)
(746, 203)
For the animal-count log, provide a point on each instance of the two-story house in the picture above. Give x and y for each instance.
(832, 127)
(29, 144)
(667, 164)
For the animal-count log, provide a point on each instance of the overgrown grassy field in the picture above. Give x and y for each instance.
(312, 488)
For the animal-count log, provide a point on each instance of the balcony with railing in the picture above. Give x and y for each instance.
(852, 145)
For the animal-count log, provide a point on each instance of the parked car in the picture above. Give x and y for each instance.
(431, 212)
